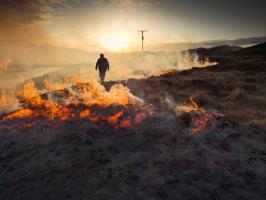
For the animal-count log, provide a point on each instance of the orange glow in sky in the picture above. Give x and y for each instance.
(116, 41)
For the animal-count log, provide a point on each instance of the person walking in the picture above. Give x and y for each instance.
(102, 65)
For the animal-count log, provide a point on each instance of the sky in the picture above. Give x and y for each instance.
(113, 24)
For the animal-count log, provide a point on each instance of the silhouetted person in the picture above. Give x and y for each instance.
(103, 65)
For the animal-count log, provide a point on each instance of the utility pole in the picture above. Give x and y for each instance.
(142, 37)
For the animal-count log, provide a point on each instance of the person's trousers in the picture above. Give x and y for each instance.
(102, 75)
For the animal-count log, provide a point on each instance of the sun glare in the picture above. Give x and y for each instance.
(117, 42)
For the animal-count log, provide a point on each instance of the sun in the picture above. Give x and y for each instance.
(117, 41)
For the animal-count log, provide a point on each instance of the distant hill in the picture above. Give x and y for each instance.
(225, 49)
(219, 50)
(231, 54)
(206, 44)
(236, 42)
(259, 49)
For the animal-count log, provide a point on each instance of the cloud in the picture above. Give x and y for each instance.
(21, 20)
(127, 3)
(29, 11)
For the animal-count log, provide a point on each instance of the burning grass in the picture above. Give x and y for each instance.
(117, 107)
(90, 101)
(199, 119)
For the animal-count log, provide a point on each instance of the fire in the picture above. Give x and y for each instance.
(116, 108)
(114, 118)
(202, 122)
(85, 113)
(95, 119)
(91, 101)
(192, 106)
(118, 94)
(164, 72)
(139, 118)
(196, 117)
(195, 105)
(126, 123)
(24, 113)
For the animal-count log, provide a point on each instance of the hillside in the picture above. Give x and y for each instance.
(197, 134)
(259, 49)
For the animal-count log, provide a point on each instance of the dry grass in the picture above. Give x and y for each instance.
(239, 94)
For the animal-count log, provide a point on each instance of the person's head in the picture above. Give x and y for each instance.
(101, 55)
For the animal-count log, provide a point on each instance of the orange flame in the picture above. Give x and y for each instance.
(192, 106)
(58, 105)
(24, 113)
(125, 123)
(115, 118)
(195, 105)
(85, 113)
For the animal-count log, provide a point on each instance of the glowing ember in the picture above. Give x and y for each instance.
(139, 118)
(85, 113)
(202, 122)
(125, 123)
(115, 118)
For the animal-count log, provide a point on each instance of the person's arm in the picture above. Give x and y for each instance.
(97, 64)
(107, 64)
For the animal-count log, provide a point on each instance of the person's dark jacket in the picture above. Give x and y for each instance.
(102, 64)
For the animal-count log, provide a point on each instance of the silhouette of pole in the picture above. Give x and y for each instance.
(142, 37)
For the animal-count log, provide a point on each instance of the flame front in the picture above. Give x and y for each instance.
(23, 113)
(91, 101)
(88, 101)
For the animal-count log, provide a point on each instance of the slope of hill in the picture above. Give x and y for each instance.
(167, 146)
(207, 44)
(259, 49)
(215, 51)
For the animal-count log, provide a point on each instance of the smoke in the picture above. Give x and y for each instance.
(8, 102)
(142, 65)
(58, 64)
(186, 61)
(4, 64)
(72, 91)
(137, 65)
(35, 52)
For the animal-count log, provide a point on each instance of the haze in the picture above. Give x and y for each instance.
(54, 33)
(113, 24)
